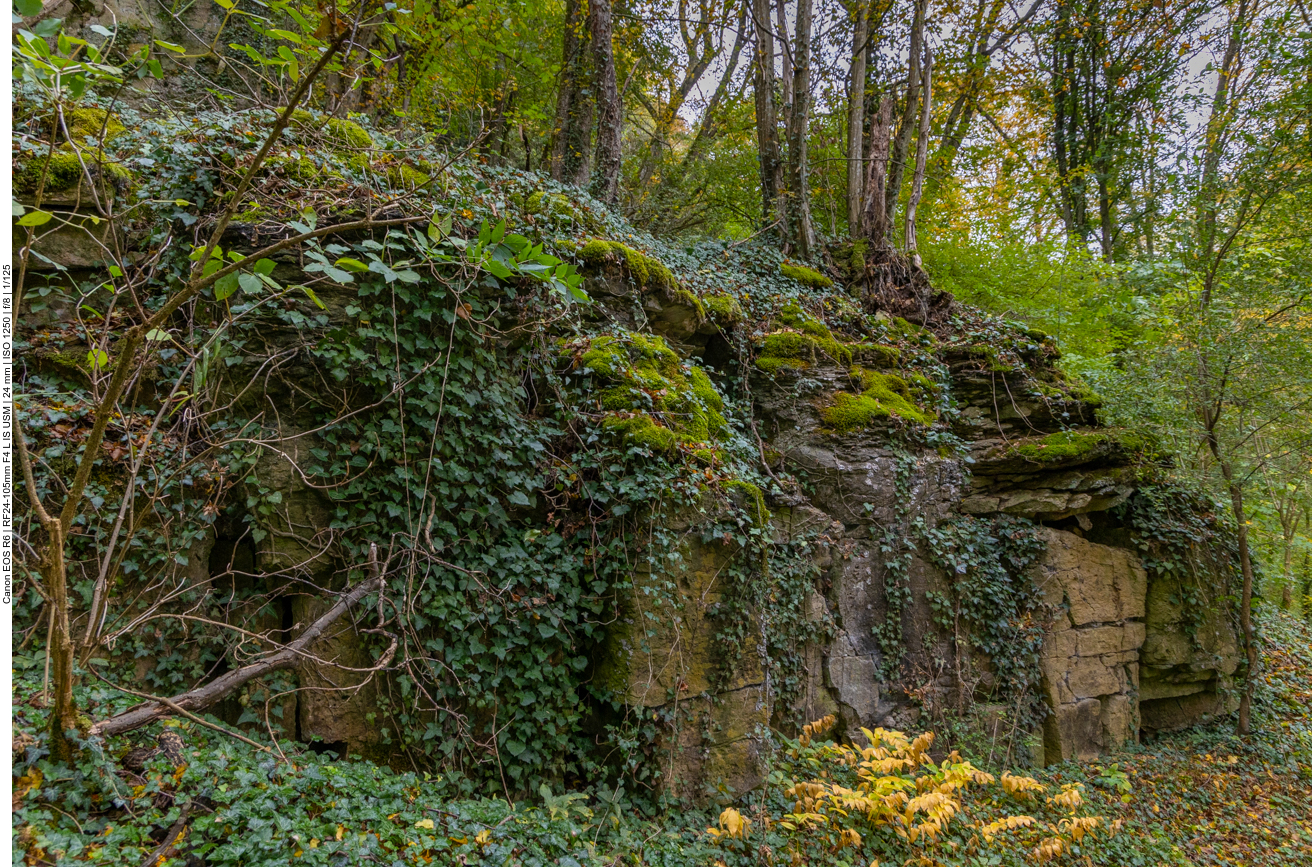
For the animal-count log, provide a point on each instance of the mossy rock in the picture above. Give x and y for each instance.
(87, 121)
(336, 131)
(646, 272)
(876, 355)
(642, 431)
(1071, 446)
(644, 378)
(805, 276)
(723, 310)
(301, 169)
(65, 172)
(882, 396)
(406, 177)
(805, 341)
(750, 499)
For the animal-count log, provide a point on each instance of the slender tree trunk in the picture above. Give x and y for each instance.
(63, 714)
(1306, 601)
(606, 184)
(569, 84)
(785, 57)
(898, 157)
(1246, 597)
(572, 138)
(801, 232)
(1063, 98)
(874, 222)
(922, 152)
(709, 129)
(856, 110)
(767, 119)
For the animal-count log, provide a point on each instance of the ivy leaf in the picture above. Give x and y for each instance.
(315, 298)
(264, 267)
(97, 358)
(27, 8)
(518, 499)
(349, 264)
(225, 286)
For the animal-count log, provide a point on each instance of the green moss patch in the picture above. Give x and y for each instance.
(750, 499)
(882, 396)
(723, 310)
(656, 401)
(805, 276)
(1069, 446)
(337, 131)
(803, 341)
(65, 171)
(87, 121)
(646, 272)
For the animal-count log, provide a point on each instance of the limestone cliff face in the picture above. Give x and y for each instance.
(1123, 652)
(1118, 657)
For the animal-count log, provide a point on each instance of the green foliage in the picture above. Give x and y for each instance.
(338, 132)
(992, 605)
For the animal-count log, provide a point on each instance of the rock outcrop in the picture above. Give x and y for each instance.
(868, 437)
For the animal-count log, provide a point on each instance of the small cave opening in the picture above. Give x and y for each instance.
(719, 354)
(334, 749)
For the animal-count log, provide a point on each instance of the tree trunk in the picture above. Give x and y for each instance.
(767, 119)
(874, 222)
(1063, 100)
(801, 233)
(785, 57)
(605, 186)
(63, 714)
(1306, 601)
(922, 152)
(572, 133)
(856, 110)
(1245, 599)
(898, 157)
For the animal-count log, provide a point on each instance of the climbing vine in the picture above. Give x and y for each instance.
(897, 549)
(990, 603)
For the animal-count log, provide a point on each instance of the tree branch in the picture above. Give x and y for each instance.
(204, 696)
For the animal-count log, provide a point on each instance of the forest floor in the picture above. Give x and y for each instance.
(1211, 797)
(1199, 797)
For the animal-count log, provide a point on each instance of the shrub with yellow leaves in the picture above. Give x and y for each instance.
(889, 798)
(732, 825)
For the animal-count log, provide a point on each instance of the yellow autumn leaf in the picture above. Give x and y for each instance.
(426, 824)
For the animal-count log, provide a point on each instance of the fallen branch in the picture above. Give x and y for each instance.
(204, 696)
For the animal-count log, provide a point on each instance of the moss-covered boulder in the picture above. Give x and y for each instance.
(800, 340)
(805, 276)
(883, 396)
(653, 399)
(645, 271)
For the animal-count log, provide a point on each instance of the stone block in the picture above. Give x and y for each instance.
(1101, 584)
(1090, 678)
(1073, 731)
